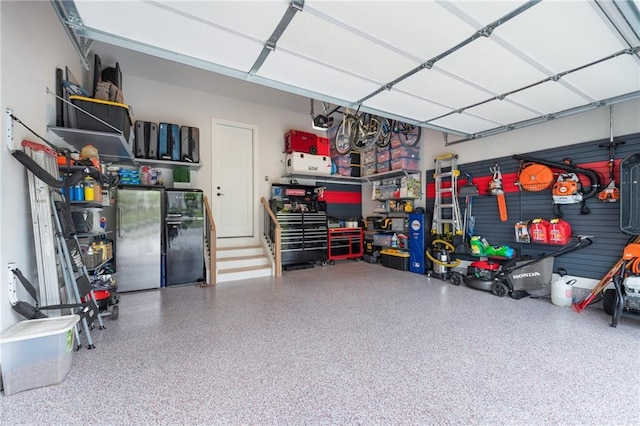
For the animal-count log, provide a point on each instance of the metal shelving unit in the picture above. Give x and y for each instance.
(112, 147)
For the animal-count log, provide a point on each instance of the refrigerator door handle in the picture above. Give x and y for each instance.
(119, 222)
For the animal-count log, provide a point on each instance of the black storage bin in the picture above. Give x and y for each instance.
(113, 113)
(395, 259)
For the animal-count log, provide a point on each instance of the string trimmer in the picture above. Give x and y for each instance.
(610, 194)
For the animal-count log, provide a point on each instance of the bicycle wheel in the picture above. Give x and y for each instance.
(408, 134)
(366, 132)
(342, 141)
(386, 131)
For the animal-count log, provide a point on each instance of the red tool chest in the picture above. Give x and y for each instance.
(309, 143)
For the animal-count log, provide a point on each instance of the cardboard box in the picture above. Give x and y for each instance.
(36, 353)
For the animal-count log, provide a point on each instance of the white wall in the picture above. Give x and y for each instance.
(33, 44)
(154, 101)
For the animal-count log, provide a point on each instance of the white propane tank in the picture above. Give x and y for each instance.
(562, 290)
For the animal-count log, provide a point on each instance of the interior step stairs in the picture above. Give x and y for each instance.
(238, 263)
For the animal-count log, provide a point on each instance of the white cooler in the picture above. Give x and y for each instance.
(303, 163)
(36, 353)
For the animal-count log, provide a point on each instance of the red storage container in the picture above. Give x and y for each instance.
(309, 143)
(382, 156)
(539, 231)
(403, 151)
(405, 163)
(385, 166)
(559, 232)
(323, 145)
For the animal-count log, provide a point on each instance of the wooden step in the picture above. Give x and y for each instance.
(230, 252)
(243, 273)
(227, 263)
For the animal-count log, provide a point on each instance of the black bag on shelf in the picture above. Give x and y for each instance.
(190, 144)
(169, 141)
(146, 140)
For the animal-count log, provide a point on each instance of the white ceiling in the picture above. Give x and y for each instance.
(469, 68)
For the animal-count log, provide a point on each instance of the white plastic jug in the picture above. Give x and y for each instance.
(562, 290)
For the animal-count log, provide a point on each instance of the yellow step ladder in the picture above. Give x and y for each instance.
(446, 213)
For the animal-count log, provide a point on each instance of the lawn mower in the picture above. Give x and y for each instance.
(519, 277)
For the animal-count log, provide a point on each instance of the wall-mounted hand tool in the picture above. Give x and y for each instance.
(495, 188)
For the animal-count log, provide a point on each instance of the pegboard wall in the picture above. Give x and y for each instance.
(602, 223)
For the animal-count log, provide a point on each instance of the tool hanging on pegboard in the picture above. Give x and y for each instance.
(495, 188)
(610, 194)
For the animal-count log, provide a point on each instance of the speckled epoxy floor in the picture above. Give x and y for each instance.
(347, 344)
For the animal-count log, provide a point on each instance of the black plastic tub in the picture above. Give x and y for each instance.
(117, 115)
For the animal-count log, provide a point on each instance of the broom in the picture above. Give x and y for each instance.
(579, 307)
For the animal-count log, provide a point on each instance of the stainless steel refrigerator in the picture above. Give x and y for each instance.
(139, 219)
(184, 236)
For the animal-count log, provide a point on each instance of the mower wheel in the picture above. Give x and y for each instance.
(456, 278)
(609, 301)
(499, 289)
(115, 313)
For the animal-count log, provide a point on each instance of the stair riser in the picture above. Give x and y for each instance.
(242, 263)
(235, 276)
(243, 252)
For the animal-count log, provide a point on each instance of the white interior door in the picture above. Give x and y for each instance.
(233, 149)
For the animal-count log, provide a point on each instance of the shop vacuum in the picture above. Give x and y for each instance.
(440, 257)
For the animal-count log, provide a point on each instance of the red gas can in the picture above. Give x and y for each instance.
(559, 232)
(539, 231)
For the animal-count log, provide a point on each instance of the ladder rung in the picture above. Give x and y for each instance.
(446, 157)
(444, 190)
(441, 175)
